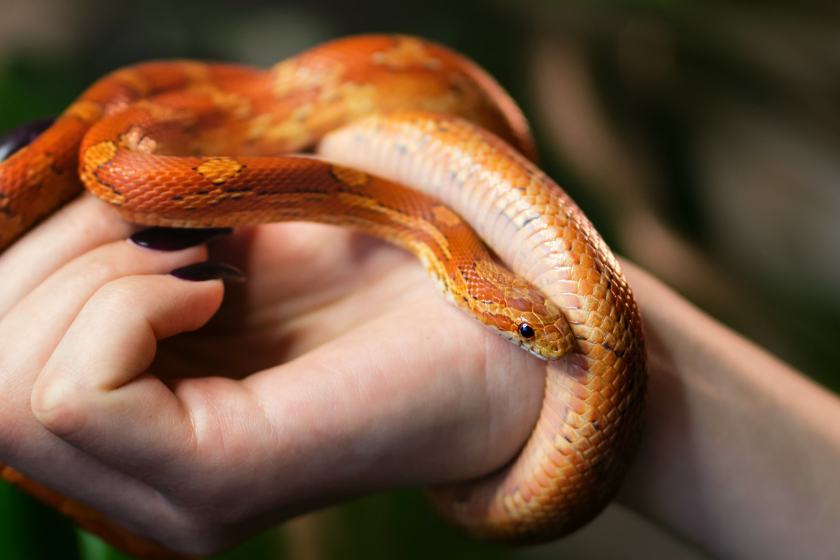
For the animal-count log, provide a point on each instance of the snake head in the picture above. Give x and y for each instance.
(542, 330)
(512, 307)
(548, 341)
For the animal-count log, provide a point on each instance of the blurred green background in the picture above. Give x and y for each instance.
(700, 137)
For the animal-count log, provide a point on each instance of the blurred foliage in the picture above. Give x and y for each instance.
(31, 530)
(398, 524)
(705, 90)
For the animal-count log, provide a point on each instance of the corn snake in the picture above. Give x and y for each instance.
(161, 127)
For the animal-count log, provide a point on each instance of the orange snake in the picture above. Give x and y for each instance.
(157, 140)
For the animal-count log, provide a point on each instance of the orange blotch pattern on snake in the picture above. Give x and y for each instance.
(219, 170)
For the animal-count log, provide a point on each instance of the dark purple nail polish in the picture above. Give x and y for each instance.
(199, 272)
(175, 239)
(23, 135)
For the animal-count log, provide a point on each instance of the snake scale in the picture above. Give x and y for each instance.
(189, 144)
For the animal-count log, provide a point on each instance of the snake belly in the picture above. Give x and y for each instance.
(592, 414)
(590, 422)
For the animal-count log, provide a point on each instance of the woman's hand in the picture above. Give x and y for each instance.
(335, 370)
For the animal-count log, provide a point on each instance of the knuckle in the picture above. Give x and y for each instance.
(127, 299)
(120, 294)
(58, 405)
(104, 262)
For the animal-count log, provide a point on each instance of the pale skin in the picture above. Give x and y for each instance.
(382, 384)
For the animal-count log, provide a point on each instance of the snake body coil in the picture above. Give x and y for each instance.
(186, 144)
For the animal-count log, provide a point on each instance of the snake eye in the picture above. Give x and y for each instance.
(526, 332)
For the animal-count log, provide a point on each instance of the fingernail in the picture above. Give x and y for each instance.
(199, 272)
(23, 135)
(175, 239)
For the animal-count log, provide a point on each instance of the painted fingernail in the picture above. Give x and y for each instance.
(175, 239)
(23, 135)
(199, 272)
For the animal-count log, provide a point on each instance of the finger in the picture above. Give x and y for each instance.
(28, 335)
(77, 228)
(31, 331)
(33, 328)
(92, 390)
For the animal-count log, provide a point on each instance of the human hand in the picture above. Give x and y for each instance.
(334, 371)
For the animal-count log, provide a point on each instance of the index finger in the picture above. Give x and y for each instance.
(82, 225)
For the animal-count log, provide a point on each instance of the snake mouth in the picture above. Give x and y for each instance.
(542, 352)
(539, 344)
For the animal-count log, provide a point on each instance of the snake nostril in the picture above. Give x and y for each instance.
(526, 332)
(22, 135)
